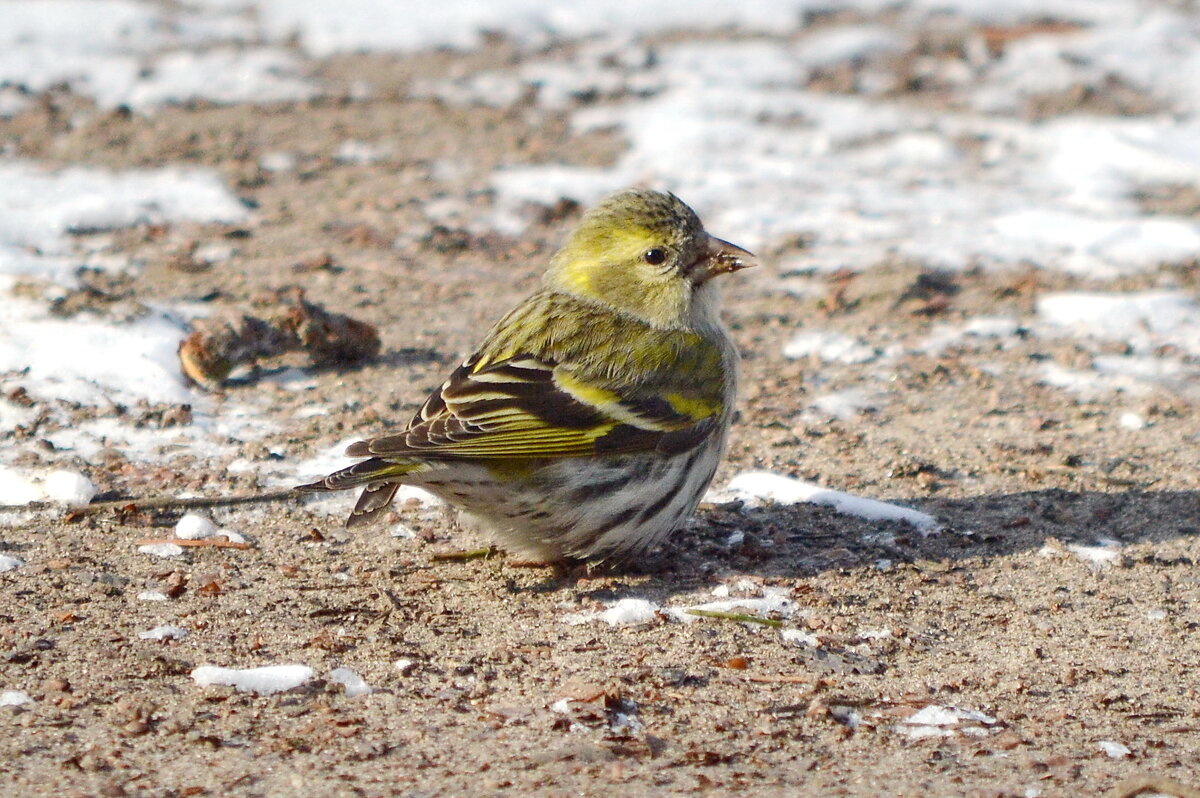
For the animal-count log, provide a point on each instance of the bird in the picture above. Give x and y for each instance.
(589, 423)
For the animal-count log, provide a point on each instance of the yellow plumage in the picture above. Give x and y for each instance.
(591, 419)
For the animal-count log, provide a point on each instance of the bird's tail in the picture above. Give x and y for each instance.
(381, 479)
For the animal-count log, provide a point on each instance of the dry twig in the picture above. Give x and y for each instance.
(735, 616)
(214, 543)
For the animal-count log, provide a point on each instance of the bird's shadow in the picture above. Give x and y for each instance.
(804, 540)
(407, 356)
(393, 358)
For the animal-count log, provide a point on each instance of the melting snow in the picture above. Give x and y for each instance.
(756, 487)
(40, 208)
(47, 219)
(164, 632)
(193, 526)
(830, 347)
(140, 55)
(351, 681)
(263, 681)
(1114, 750)
(938, 721)
(623, 612)
(800, 637)
(636, 611)
(1105, 553)
(773, 601)
(162, 549)
(65, 487)
(14, 698)
(89, 360)
(843, 405)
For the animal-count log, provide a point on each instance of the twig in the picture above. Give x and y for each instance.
(779, 678)
(28, 507)
(172, 502)
(156, 502)
(215, 543)
(734, 616)
(457, 556)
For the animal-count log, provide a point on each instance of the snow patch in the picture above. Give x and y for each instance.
(14, 698)
(772, 601)
(370, 25)
(1104, 553)
(89, 360)
(754, 488)
(830, 347)
(64, 487)
(196, 527)
(263, 681)
(974, 334)
(1146, 320)
(164, 632)
(623, 612)
(1131, 421)
(866, 181)
(162, 549)
(939, 721)
(142, 55)
(800, 637)
(843, 405)
(1114, 750)
(40, 208)
(351, 681)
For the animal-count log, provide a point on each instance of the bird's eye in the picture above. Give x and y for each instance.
(655, 257)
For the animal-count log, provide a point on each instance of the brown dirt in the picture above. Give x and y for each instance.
(993, 614)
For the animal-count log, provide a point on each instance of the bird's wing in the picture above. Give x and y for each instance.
(527, 406)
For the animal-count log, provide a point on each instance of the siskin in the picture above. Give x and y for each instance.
(590, 421)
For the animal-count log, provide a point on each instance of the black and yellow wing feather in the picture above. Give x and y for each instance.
(545, 384)
(533, 395)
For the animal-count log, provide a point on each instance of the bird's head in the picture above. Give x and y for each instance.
(647, 254)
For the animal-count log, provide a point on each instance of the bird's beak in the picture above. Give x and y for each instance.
(720, 257)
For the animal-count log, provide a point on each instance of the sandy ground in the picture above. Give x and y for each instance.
(995, 614)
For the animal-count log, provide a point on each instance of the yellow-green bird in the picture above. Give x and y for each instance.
(590, 421)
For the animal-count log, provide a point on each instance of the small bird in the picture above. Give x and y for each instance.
(591, 420)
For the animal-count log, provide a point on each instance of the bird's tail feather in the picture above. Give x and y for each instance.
(363, 473)
(376, 498)
(381, 479)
